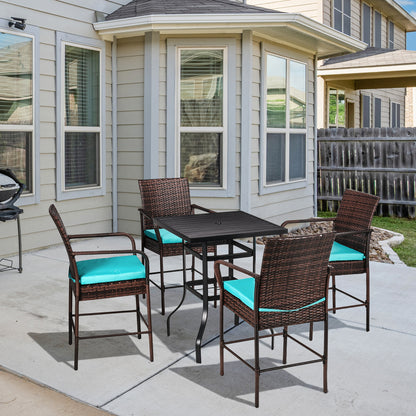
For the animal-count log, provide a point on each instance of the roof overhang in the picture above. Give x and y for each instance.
(294, 30)
(373, 72)
(396, 13)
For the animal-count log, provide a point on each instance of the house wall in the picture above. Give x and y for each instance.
(309, 8)
(91, 214)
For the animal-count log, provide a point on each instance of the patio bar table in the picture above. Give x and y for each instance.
(198, 232)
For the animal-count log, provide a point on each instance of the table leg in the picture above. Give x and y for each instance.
(204, 318)
(183, 293)
(254, 254)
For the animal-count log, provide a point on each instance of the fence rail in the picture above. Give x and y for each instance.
(379, 161)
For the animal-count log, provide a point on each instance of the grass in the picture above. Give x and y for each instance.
(406, 251)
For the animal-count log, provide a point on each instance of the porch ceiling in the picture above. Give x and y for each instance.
(293, 30)
(371, 69)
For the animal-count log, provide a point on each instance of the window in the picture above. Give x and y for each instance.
(377, 29)
(391, 36)
(365, 110)
(80, 127)
(366, 24)
(395, 115)
(17, 118)
(377, 112)
(336, 108)
(202, 116)
(285, 105)
(342, 16)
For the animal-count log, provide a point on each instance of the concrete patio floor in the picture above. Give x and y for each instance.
(369, 373)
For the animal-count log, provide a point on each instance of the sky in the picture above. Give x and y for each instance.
(410, 7)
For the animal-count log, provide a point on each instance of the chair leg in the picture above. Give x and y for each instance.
(221, 339)
(284, 360)
(256, 367)
(149, 324)
(325, 356)
(334, 305)
(310, 331)
(162, 286)
(70, 315)
(367, 299)
(76, 334)
(139, 326)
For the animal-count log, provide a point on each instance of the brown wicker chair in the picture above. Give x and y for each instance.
(160, 198)
(290, 290)
(123, 274)
(352, 225)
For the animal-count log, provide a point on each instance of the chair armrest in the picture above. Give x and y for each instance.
(314, 219)
(103, 235)
(217, 271)
(195, 206)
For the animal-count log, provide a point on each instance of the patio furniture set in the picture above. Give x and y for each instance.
(290, 289)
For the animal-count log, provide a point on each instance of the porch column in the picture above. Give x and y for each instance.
(151, 104)
(246, 108)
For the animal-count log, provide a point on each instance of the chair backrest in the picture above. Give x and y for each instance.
(355, 213)
(294, 271)
(53, 212)
(165, 197)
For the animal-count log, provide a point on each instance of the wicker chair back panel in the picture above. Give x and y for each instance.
(64, 235)
(165, 197)
(355, 213)
(294, 272)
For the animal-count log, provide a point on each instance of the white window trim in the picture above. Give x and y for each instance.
(173, 128)
(371, 23)
(266, 188)
(32, 32)
(63, 39)
(342, 14)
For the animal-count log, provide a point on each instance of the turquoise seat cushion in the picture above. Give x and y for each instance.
(110, 269)
(340, 252)
(167, 236)
(243, 289)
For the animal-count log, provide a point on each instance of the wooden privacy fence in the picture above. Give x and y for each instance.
(380, 161)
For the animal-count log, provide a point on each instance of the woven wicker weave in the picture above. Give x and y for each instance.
(164, 197)
(352, 225)
(81, 292)
(294, 274)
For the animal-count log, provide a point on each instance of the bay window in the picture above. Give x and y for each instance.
(285, 120)
(17, 106)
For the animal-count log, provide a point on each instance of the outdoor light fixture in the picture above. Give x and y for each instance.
(18, 23)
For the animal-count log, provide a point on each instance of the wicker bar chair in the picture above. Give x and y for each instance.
(291, 289)
(350, 253)
(160, 198)
(122, 274)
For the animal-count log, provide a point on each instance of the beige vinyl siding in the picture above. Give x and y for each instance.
(130, 78)
(309, 8)
(80, 215)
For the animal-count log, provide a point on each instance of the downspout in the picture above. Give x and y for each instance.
(114, 132)
(315, 135)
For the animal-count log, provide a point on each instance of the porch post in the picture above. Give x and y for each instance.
(151, 104)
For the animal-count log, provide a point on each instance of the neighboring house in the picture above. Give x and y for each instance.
(368, 88)
(98, 94)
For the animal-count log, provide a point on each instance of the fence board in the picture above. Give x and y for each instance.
(378, 161)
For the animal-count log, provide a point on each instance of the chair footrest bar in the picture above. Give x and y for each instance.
(349, 295)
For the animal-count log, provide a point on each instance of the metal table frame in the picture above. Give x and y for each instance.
(201, 231)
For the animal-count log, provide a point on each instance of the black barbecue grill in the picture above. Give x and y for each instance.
(10, 191)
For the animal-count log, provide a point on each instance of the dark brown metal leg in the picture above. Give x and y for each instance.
(138, 317)
(325, 356)
(162, 286)
(76, 334)
(70, 315)
(149, 324)
(334, 304)
(256, 367)
(367, 301)
(19, 237)
(284, 360)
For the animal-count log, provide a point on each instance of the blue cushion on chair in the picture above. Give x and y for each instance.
(110, 269)
(340, 252)
(243, 289)
(167, 236)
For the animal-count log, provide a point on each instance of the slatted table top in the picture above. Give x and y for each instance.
(218, 226)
